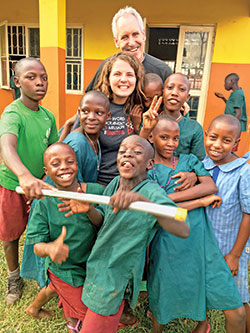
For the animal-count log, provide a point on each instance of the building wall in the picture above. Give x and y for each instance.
(231, 55)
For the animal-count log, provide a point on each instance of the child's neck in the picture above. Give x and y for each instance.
(128, 184)
(175, 114)
(71, 188)
(169, 162)
(30, 104)
(235, 87)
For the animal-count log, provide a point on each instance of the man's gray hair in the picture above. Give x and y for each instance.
(123, 12)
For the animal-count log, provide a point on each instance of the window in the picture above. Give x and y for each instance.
(74, 59)
(19, 41)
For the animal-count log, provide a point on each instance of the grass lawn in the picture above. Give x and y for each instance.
(13, 318)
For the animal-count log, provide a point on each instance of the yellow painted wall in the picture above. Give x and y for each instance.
(232, 42)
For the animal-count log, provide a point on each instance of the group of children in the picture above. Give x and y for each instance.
(95, 254)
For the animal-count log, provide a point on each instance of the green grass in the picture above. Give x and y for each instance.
(13, 318)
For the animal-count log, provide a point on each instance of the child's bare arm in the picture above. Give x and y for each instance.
(220, 95)
(238, 113)
(232, 258)
(136, 117)
(31, 185)
(67, 128)
(76, 207)
(123, 199)
(150, 118)
(57, 250)
(211, 199)
(206, 187)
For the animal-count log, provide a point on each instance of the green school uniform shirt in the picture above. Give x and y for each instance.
(45, 226)
(35, 131)
(191, 138)
(13, 86)
(237, 100)
(116, 263)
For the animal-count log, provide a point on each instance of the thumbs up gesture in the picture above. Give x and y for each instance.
(58, 251)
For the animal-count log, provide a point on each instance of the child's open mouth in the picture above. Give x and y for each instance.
(127, 164)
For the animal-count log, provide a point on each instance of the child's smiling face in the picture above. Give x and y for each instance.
(220, 139)
(93, 113)
(61, 166)
(175, 92)
(165, 138)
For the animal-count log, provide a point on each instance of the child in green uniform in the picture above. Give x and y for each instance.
(66, 243)
(175, 94)
(26, 130)
(186, 277)
(119, 251)
(236, 103)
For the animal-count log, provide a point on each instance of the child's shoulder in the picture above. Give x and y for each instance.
(15, 106)
(47, 112)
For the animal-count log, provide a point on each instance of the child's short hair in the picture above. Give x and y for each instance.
(97, 94)
(181, 74)
(229, 120)
(21, 63)
(164, 116)
(152, 77)
(233, 76)
(54, 145)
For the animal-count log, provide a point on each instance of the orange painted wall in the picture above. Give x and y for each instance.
(216, 106)
(5, 99)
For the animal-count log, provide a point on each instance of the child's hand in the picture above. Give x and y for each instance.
(123, 199)
(233, 263)
(136, 116)
(73, 207)
(219, 95)
(212, 199)
(187, 180)
(185, 108)
(58, 251)
(150, 118)
(33, 186)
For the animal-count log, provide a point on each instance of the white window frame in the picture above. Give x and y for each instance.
(5, 24)
(69, 91)
(202, 94)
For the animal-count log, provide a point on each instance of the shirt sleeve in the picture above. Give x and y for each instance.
(244, 191)
(38, 228)
(53, 134)
(10, 123)
(197, 144)
(238, 100)
(197, 166)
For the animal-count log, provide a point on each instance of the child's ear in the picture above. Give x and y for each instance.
(150, 164)
(16, 81)
(188, 96)
(206, 133)
(236, 142)
(108, 116)
(150, 138)
(78, 111)
(45, 170)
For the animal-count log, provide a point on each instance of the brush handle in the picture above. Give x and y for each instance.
(179, 214)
